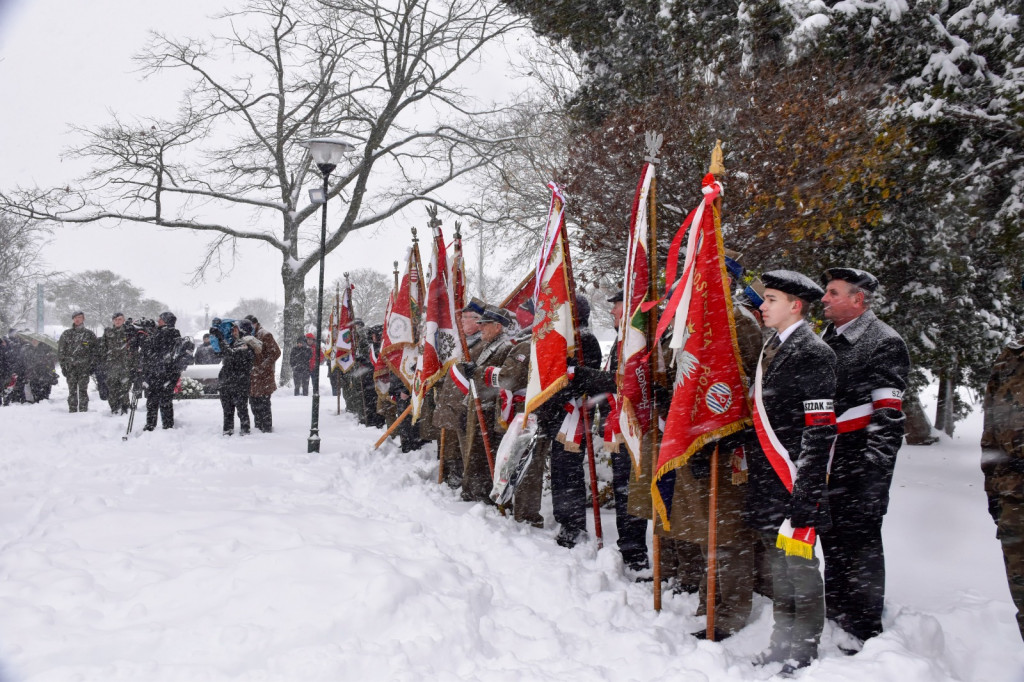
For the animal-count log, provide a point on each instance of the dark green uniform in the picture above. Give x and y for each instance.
(119, 357)
(78, 353)
(1002, 461)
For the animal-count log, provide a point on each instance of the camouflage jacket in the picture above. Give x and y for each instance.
(1002, 439)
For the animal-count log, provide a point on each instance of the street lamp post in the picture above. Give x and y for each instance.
(327, 152)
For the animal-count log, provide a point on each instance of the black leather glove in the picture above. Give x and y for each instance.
(571, 361)
(217, 333)
(802, 511)
(467, 368)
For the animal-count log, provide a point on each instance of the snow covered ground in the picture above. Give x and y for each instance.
(184, 555)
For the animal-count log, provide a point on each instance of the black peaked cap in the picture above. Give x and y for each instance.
(861, 278)
(793, 283)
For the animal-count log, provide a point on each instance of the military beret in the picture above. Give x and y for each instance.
(495, 314)
(754, 293)
(475, 306)
(792, 283)
(116, 315)
(617, 297)
(861, 278)
(76, 314)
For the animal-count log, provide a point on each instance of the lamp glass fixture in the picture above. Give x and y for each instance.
(327, 150)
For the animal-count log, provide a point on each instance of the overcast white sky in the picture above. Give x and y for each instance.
(68, 62)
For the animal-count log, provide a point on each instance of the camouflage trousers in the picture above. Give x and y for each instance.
(1011, 536)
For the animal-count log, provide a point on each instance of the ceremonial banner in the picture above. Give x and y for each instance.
(439, 345)
(634, 406)
(381, 371)
(554, 333)
(343, 355)
(399, 343)
(709, 401)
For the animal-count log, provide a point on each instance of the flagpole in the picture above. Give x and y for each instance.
(712, 589)
(653, 141)
(435, 224)
(586, 413)
(337, 305)
(717, 168)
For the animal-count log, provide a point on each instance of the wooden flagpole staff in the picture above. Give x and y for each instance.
(394, 425)
(653, 142)
(591, 463)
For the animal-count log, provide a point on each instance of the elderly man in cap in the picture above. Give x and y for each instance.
(450, 411)
(872, 365)
(78, 354)
(493, 349)
(794, 421)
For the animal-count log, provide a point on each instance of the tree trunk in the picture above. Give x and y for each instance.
(293, 316)
(918, 428)
(944, 419)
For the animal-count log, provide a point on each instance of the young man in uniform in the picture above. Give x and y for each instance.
(872, 365)
(794, 421)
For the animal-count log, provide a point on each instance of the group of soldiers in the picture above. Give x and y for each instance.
(818, 461)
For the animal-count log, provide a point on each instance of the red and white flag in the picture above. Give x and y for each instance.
(554, 331)
(343, 357)
(439, 346)
(710, 397)
(633, 412)
(399, 343)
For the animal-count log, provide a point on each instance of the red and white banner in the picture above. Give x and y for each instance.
(439, 346)
(343, 357)
(554, 332)
(710, 397)
(399, 345)
(632, 414)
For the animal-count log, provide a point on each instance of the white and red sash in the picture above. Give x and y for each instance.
(570, 434)
(793, 541)
(459, 379)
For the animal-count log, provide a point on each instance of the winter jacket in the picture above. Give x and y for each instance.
(872, 365)
(157, 358)
(205, 355)
(300, 359)
(802, 374)
(77, 351)
(1002, 438)
(237, 364)
(263, 381)
(119, 354)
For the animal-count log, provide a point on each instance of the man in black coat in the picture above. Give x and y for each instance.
(795, 425)
(159, 372)
(299, 361)
(872, 364)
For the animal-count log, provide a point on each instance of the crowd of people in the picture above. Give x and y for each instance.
(816, 463)
(828, 423)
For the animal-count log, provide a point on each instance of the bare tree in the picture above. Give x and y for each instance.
(99, 294)
(21, 267)
(278, 72)
(267, 312)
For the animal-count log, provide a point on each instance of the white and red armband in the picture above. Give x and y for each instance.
(887, 397)
(491, 375)
(820, 412)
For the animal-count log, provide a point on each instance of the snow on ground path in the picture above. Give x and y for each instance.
(183, 555)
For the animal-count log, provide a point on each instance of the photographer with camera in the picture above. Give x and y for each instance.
(239, 353)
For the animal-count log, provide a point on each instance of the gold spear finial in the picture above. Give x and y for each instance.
(717, 160)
